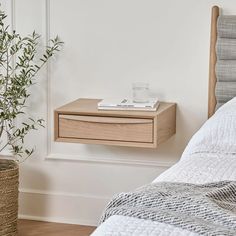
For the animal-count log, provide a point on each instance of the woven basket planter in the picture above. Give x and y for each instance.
(9, 182)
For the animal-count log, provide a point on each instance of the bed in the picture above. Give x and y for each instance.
(202, 185)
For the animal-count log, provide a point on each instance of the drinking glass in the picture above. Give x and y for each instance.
(140, 92)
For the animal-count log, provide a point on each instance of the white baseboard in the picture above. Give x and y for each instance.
(69, 208)
(63, 207)
(59, 220)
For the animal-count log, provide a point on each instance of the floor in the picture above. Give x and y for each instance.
(38, 228)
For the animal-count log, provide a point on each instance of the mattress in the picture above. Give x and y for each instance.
(130, 226)
(210, 156)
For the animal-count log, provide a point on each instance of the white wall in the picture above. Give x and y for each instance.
(108, 45)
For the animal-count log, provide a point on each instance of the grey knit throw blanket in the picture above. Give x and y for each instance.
(206, 209)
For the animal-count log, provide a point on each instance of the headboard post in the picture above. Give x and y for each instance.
(212, 74)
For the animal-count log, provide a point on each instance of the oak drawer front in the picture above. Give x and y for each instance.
(106, 128)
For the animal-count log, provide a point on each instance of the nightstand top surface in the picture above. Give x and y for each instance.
(89, 107)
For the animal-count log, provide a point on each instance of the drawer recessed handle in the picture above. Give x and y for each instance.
(106, 120)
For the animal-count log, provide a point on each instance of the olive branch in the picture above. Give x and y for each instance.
(18, 67)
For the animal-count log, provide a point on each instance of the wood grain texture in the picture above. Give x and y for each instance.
(105, 120)
(103, 128)
(212, 73)
(107, 142)
(165, 124)
(38, 228)
(81, 121)
(86, 106)
(56, 124)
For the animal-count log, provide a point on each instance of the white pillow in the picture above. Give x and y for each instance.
(228, 108)
(218, 134)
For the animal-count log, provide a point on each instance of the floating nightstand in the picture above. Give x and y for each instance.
(81, 122)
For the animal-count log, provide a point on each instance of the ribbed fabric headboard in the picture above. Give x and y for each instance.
(226, 59)
(222, 83)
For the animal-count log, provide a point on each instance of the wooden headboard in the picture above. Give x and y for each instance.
(212, 74)
(222, 73)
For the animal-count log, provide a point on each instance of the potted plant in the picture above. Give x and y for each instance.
(19, 63)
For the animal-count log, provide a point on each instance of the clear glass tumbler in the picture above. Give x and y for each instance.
(140, 92)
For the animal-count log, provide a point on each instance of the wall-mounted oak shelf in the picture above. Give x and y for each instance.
(81, 122)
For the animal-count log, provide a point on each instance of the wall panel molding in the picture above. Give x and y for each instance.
(74, 157)
(48, 72)
(106, 160)
(13, 14)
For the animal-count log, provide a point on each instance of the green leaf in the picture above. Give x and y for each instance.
(16, 81)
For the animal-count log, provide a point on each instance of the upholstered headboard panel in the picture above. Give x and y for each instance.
(226, 59)
(222, 83)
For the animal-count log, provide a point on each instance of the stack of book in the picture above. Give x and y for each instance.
(125, 104)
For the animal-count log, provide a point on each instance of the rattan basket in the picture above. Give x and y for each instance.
(9, 182)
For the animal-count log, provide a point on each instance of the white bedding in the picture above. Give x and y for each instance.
(201, 168)
(210, 156)
(217, 135)
(130, 226)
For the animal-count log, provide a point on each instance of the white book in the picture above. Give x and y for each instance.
(129, 109)
(125, 104)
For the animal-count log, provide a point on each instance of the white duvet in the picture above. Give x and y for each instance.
(210, 156)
